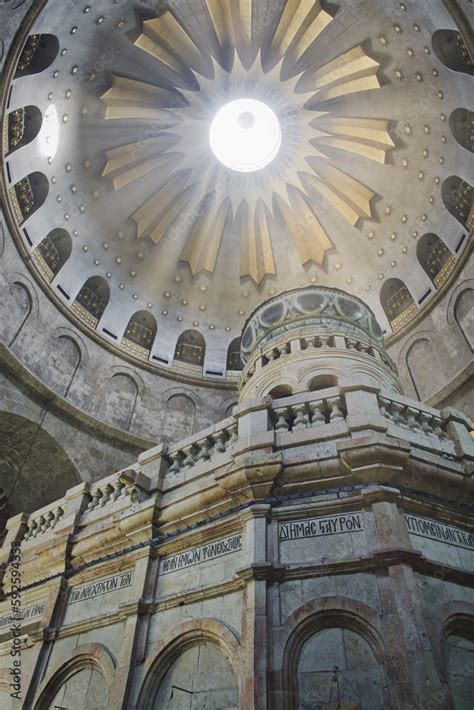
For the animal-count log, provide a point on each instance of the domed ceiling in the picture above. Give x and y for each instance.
(357, 159)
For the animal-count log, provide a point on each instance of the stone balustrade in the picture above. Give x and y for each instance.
(202, 447)
(44, 522)
(111, 491)
(293, 341)
(313, 412)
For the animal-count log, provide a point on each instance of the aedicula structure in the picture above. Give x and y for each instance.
(312, 550)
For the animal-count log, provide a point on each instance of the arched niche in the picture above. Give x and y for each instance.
(190, 348)
(66, 358)
(424, 368)
(92, 300)
(200, 677)
(322, 382)
(458, 198)
(280, 391)
(179, 417)
(34, 468)
(52, 253)
(461, 123)
(464, 315)
(21, 306)
(81, 683)
(120, 399)
(451, 50)
(28, 194)
(458, 654)
(24, 124)
(38, 54)
(338, 665)
(140, 334)
(234, 361)
(435, 258)
(397, 303)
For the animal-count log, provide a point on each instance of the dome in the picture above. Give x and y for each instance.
(112, 150)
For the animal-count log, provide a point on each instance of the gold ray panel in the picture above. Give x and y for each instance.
(232, 22)
(202, 246)
(350, 72)
(367, 137)
(256, 255)
(350, 197)
(299, 25)
(165, 39)
(309, 236)
(129, 162)
(155, 216)
(128, 98)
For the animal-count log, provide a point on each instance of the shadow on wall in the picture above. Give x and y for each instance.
(34, 468)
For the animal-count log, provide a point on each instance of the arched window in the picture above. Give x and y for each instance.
(200, 676)
(191, 347)
(23, 126)
(52, 253)
(91, 301)
(339, 663)
(28, 194)
(458, 198)
(461, 122)
(435, 258)
(397, 303)
(459, 652)
(140, 334)
(234, 361)
(451, 50)
(280, 391)
(322, 382)
(38, 54)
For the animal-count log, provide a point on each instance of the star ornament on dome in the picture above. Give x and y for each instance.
(244, 136)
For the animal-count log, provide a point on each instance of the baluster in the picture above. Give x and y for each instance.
(96, 496)
(383, 407)
(176, 461)
(310, 343)
(32, 525)
(301, 419)
(350, 344)
(189, 459)
(283, 416)
(48, 521)
(233, 432)
(204, 445)
(396, 410)
(324, 340)
(40, 527)
(317, 413)
(410, 413)
(438, 428)
(335, 414)
(118, 487)
(220, 439)
(57, 515)
(133, 493)
(107, 492)
(270, 355)
(425, 423)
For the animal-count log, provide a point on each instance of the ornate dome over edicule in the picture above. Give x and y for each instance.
(170, 166)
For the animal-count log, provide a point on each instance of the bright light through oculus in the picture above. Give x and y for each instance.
(245, 135)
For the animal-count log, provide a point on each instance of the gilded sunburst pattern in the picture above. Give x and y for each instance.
(197, 198)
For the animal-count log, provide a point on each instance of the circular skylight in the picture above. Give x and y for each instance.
(245, 135)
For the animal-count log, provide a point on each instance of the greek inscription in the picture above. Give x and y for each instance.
(331, 525)
(195, 556)
(105, 586)
(432, 530)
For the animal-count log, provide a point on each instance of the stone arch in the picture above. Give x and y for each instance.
(190, 348)
(456, 313)
(24, 124)
(397, 303)
(28, 194)
(85, 659)
(227, 406)
(52, 252)
(140, 334)
(234, 361)
(34, 468)
(458, 198)
(461, 123)
(179, 419)
(451, 50)
(435, 258)
(22, 305)
(423, 365)
(38, 54)
(280, 391)
(327, 615)
(92, 300)
(120, 396)
(66, 359)
(457, 651)
(322, 382)
(188, 636)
